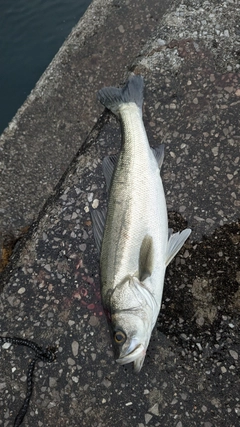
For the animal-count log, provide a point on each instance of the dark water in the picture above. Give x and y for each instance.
(31, 32)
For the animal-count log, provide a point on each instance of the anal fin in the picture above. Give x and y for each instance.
(175, 242)
(98, 219)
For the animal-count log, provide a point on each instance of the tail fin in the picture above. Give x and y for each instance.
(112, 97)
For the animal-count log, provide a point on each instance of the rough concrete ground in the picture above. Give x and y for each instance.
(51, 294)
(50, 127)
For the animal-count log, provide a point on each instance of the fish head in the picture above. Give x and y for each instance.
(130, 337)
(131, 324)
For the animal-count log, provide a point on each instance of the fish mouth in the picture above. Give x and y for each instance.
(137, 356)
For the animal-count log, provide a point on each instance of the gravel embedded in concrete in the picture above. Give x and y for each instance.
(191, 373)
(59, 113)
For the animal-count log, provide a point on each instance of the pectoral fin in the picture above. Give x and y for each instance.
(108, 165)
(142, 290)
(175, 242)
(98, 219)
(146, 258)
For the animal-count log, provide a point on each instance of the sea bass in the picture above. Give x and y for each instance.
(132, 237)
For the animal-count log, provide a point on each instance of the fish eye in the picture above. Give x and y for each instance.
(119, 337)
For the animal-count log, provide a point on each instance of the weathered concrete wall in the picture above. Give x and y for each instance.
(52, 286)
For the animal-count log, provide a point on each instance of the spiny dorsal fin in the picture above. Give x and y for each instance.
(175, 242)
(146, 258)
(108, 165)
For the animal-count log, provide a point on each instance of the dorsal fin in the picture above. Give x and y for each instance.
(146, 258)
(108, 165)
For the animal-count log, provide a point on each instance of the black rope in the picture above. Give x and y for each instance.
(46, 355)
(23, 410)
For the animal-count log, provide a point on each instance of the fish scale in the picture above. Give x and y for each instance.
(133, 237)
(130, 206)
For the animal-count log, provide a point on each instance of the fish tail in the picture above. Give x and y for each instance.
(112, 97)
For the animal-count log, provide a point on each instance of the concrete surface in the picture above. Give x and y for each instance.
(50, 127)
(51, 286)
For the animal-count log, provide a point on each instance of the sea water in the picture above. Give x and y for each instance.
(31, 32)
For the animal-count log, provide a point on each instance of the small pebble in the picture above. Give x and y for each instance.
(154, 409)
(234, 354)
(148, 417)
(6, 345)
(90, 197)
(75, 348)
(52, 382)
(106, 383)
(93, 321)
(95, 203)
(215, 151)
(70, 361)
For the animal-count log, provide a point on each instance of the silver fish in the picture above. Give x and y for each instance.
(132, 236)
